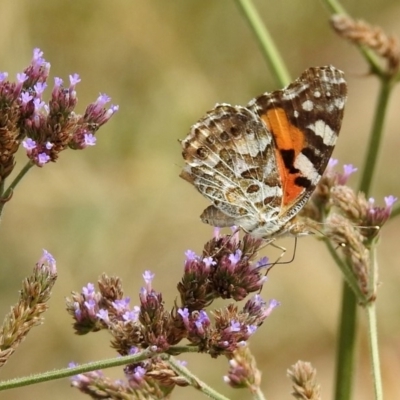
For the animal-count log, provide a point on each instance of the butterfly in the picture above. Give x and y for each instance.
(259, 164)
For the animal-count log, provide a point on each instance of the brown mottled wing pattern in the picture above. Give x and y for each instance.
(304, 120)
(259, 164)
(230, 160)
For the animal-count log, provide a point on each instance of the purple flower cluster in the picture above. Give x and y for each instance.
(45, 129)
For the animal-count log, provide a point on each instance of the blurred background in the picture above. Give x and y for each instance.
(121, 208)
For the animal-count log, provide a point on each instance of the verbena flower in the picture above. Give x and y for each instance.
(44, 129)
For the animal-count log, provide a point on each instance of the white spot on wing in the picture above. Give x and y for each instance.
(307, 105)
(320, 128)
(306, 168)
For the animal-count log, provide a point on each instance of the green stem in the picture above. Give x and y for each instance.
(8, 193)
(346, 344)
(193, 380)
(346, 271)
(372, 327)
(374, 350)
(395, 212)
(266, 43)
(375, 136)
(258, 394)
(66, 372)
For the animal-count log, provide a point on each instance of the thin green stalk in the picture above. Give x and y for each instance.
(193, 380)
(266, 43)
(350, 280)
(259, 395)
(66, 372)
(375, 136)
(346, 345)
(8, 193)
(374, 350)
(395, 212)
(372, 328)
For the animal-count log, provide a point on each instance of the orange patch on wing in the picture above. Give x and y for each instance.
(287, 137)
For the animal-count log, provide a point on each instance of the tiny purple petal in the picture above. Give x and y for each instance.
(103, 315)
(90, 305)
(38, 103)
(29, 144)
(235, 258)
(133, 350)
(22, 77)
(90, 139)
(332, 162)
(26, 97)
(58, 82)
(235, 326)
(88, 290)
(190, 255)
(148, 276)
(139, 372)
(121, 305)
(389, 201)
(3, 76)
(208, 262)
(40, 87)
(43, 158)
(37, 53)
(102, 100)
(262, 262)
(349, 169)
(49, 145)
(130, 316)
(251, 329)
(74, 79)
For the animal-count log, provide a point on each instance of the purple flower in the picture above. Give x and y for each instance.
(22, 77)
(121, 305)
(49, 145)
(103, 315)
(29, 144)
(102, 100)
(235, 326)
(131, 316)
(3, 76)
(133, 350)
(88, 291)
(262, 262)
(235, 258)
(271, 306)
(148, 277)
(40, 88)
(190, 255)
(89, 139)
(74, 79)
(184, 313)
(26, 97)
(139, 372)
(389, 201)
(48, 262)
(202, 321)
(91, 306)
(332, 163)
(251, 329)
(37, 54)
(58, 82)
(208, 262)
(43, 158)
